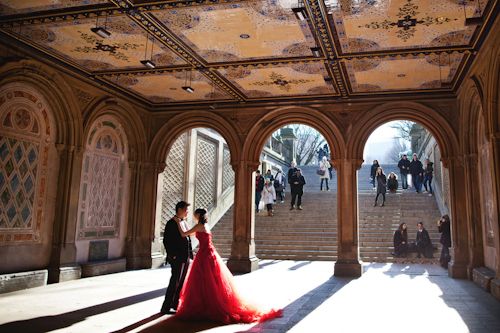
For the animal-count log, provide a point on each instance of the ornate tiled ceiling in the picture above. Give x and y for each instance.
(245, 51)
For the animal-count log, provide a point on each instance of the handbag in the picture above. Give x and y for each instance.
(371, 180)
(320, 172)
(261, 205)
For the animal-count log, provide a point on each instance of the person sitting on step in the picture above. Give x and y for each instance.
(423, 242)
(392, 183)
(401, 242)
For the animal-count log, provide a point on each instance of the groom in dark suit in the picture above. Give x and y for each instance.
(179, 254)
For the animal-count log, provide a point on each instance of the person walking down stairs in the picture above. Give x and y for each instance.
(269, 196)
(323, 173)
(298, 181)
(279, 186)
(381, 185)
(373, 172)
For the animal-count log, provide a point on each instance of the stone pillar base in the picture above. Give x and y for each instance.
(247, 265)
(24, 280)
(64, 273)
(495, 289)
(139, 262)
(348, 269)
(157, 259)
(457, 271)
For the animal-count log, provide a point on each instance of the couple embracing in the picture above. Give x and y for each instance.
(209, 291)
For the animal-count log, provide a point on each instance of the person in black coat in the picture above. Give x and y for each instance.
(179, 254)
(444, 229)
(428, 176)
(404, 169)
(416, 172)
(423, 242)
(259, 186)
(381, 185)
(290, 173)
(401, 241)
(298, 181)
(373, 171)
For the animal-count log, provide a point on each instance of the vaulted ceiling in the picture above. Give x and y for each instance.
(262, 50)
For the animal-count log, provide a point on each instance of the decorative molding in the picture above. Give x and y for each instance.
(84, 98)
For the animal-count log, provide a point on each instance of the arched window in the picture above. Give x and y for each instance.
(24, 160)
(103, 181)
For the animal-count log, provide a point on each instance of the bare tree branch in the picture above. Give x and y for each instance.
(398, 146)
(308, 143)
(403, 127)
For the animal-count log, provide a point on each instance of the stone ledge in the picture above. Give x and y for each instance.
(495, 289)
(23, 280)
(482, 277)
(95, 268)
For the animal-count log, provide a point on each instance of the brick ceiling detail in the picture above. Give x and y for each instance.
(245, 51)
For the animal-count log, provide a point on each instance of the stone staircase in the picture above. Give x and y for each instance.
(377, 224)
(311, 234)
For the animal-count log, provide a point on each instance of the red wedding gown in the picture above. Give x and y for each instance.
(209, 291)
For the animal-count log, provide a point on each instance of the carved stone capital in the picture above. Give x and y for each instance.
(353, 161)
(160, 167)
(62, 148)
(494, 137)
(453, 161)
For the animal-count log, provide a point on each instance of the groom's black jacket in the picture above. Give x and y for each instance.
(176, 245)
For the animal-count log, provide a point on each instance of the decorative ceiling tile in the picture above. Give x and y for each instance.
(412, 73)
(405, 24)
(240, 31)
(167, 87)
(124, 49)
(10, 7)
(285, 80)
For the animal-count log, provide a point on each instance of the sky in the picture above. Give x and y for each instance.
(379, 143)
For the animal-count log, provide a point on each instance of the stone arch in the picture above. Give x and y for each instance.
(52, 87)
(179, 124)
(434, 122)
(276, 119)
(132, 126)
(491, 109)
(472, 111)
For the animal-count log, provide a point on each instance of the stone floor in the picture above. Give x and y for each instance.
(387, 298)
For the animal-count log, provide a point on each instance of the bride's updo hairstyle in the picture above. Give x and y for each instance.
(203, 215)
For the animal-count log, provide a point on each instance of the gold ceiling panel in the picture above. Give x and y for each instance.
(167, 87)
(123, 50)
(240, 31)
(405, 24)
(11, 7)
(280, 81)
(397, 74)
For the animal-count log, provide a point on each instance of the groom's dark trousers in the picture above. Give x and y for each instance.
(179, 254)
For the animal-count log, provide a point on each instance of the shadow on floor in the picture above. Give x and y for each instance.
(173, 325)
(306, 304)
(52, 323)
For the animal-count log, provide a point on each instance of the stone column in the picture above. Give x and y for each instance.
(141, 213)
(348, 262)
(474, 222)
(459, 223)
(243, 257)
(63, 266)
(495, 177)
(157, 257)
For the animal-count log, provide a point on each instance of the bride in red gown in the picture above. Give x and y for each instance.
(209, 292)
